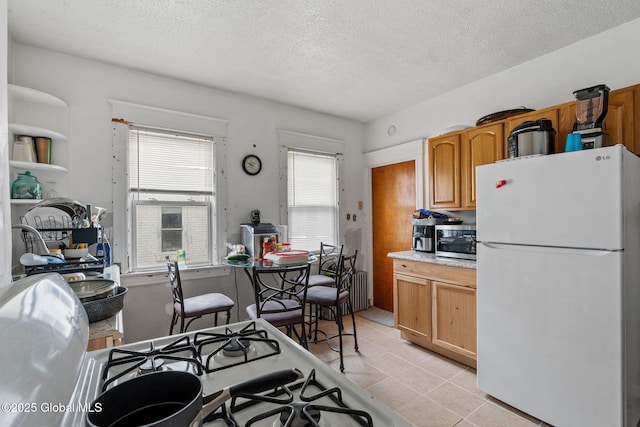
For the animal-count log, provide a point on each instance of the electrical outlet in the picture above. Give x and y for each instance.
(348, 217)
(354, 217)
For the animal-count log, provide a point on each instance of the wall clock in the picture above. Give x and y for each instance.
(252, 164)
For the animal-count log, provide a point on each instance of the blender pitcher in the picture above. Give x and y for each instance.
(591, 106)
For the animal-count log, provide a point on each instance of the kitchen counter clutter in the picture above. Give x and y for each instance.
(108, 332)
(435, 303)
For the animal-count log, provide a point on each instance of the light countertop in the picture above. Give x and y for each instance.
(431, 258)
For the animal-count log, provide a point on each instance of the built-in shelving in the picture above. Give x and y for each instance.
(18, 129)
(31, 166)
(24, 122)
(32, 95)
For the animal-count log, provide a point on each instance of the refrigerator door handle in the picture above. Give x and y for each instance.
(550, 249)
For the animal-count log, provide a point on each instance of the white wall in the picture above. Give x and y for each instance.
(86, 86)
(612, 58)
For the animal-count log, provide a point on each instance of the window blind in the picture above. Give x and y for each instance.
(312, 194)
(165, 162)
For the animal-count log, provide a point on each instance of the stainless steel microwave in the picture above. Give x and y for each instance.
(456, 241)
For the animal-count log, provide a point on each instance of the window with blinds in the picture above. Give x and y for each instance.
(171, 185)
(312, 198)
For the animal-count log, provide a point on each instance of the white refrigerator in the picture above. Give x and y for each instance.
(558, 270)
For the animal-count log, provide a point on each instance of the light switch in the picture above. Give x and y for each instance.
(360, 205)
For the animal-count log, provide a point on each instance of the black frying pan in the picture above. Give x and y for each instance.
(172, 398)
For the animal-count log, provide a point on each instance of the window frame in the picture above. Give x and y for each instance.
(133, 202)
(161, 204)
(154, 118)
(336, 214)
(292, 140)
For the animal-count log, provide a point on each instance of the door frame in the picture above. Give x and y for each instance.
(407, 151)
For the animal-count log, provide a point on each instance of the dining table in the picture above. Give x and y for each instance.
(248, 264)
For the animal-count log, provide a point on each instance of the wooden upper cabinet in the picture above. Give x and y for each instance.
(623, 112)
(621, 118)
(444, 171)
(566, 118)
(480, 146)
(453, 158)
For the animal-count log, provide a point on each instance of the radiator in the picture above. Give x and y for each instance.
(359, 296)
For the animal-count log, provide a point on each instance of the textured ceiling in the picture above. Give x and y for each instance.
(359, 59)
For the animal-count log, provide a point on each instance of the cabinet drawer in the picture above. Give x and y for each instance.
(443, 273)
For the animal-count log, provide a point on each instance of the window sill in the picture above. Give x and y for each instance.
(160, 277)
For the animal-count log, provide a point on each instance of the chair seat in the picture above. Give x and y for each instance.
(204, 304)
(321, 280)
(326, 295)
(280, 318)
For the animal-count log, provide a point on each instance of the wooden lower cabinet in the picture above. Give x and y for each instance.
(106, 333)
(435, 307)
(411, 315)
(104, 342)
(454, 318)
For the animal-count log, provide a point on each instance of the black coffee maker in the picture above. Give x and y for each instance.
(591, 108)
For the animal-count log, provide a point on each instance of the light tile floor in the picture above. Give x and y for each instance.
(425, 388)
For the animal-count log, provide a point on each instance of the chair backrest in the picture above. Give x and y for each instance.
(276, 284)
(328, 259)
(174, 279)
(347, 270)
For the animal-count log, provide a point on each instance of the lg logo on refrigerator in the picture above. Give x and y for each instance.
(598, 158)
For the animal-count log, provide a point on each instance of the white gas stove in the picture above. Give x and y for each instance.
(219, 357)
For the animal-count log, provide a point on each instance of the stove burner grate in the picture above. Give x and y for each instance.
(305, 412)
(150, 360)
(237, 344)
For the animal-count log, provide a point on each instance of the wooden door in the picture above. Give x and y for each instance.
(481, 146)
(444, 171)
(619, 121)
(393, 197)
(453, 324)
(412, 312)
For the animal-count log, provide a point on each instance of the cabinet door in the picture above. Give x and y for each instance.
(444, 171)
(619, 121)
(454, 318)
(412, 310)
(481, 146)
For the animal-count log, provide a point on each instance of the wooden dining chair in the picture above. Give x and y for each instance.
(195, 307)
(280, 297)
(334, 298)
(327, 265)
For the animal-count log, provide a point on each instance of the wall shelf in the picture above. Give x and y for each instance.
(35, 96)
(31, 166)
(25, 201)
(19, 129)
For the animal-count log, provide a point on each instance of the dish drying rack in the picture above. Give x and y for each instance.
(50, 230)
